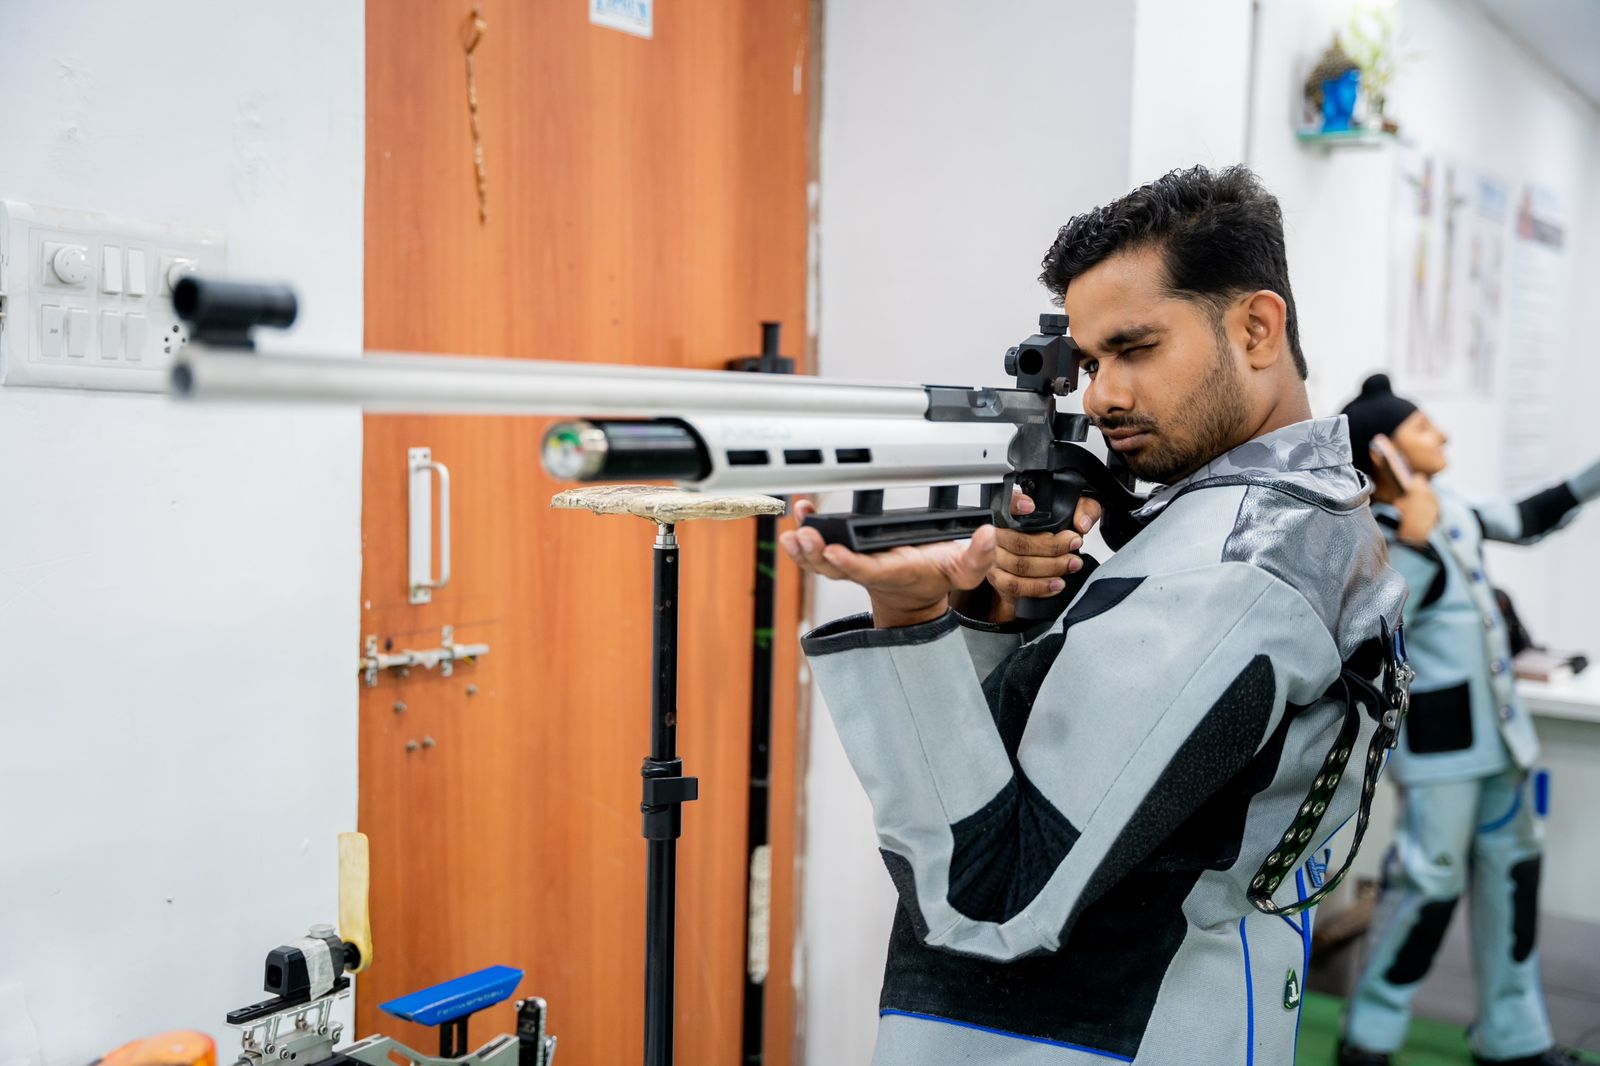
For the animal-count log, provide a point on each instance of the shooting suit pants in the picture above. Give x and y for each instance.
(1480, 837)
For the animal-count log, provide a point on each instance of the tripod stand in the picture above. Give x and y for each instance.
(665, 788)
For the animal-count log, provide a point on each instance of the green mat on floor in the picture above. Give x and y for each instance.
(1429, 1044)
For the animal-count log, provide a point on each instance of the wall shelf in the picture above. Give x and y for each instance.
(1352, 138)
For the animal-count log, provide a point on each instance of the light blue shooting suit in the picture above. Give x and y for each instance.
(1463, 769)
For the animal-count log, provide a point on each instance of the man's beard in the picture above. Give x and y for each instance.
(1208, 426)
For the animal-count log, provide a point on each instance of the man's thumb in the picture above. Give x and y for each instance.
(976, 562)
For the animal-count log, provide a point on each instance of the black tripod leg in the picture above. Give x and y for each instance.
(757, 826)
(665, 791)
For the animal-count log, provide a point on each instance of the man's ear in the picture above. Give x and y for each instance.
(1265, 318)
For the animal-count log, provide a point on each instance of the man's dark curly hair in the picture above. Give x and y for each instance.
(1220, 233)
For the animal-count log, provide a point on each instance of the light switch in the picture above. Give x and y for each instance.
(137, 327)
(77, 332)
(111, 334)
(54, 321)
(136, 272)
(111, 269)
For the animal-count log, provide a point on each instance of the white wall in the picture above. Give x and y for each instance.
(178, 587)
(1575, 621)
(1191, 85)
(956, 139)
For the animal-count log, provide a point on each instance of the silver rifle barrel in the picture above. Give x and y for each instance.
(731, 431)
(390, 382)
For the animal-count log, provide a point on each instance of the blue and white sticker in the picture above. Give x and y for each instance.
(630, 16)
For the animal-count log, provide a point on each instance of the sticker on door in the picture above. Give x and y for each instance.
(629, 16)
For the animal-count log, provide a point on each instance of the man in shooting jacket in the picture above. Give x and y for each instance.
(1099, 832)
(1466, 752)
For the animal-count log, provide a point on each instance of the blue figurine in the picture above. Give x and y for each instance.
(1339, 101)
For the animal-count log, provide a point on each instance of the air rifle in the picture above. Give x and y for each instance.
(718, 430)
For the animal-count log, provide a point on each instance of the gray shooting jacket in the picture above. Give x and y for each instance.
(1467, 720)
(1073, 821)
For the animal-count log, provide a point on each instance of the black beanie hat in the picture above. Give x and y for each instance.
(1377, 410)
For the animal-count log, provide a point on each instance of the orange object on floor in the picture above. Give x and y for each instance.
(183, 1047)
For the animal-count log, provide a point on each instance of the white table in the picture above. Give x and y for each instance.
(1567, 717)
(1576, 699)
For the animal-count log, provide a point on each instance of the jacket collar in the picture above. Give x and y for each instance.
(1313, 456)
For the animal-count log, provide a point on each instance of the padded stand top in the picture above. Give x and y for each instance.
(665, 505)
(455, 998)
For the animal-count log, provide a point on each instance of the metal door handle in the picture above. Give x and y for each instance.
(444, 523)
(421, 467)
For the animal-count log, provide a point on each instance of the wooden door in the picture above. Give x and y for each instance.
(646, 204)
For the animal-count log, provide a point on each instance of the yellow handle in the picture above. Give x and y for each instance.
(353, 879)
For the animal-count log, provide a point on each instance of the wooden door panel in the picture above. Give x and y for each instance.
(647, 204)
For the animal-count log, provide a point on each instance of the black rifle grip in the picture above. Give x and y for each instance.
(1045, 608)
(1056, 503)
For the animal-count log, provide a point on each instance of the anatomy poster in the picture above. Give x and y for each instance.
(1536, 340)
(1449, 235)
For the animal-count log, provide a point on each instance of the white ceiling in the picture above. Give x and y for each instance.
(1564, 33)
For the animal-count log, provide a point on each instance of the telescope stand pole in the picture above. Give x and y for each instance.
(664, 793)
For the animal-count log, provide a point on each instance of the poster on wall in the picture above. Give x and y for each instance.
(1536, 341)
(1449, 233)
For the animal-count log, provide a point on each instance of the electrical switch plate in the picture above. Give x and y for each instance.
(81, 304)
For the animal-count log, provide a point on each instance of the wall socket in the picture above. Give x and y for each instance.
(86, 298)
